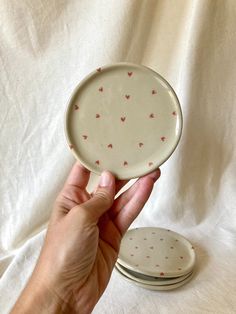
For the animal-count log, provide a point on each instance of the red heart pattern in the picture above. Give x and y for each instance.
(123, 119)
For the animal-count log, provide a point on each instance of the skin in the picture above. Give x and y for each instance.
(82, 243)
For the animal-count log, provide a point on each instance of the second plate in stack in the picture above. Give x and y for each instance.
(156, 258)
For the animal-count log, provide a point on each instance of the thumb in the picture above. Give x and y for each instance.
(103, 197)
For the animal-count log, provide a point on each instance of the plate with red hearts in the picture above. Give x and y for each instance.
(125, 118)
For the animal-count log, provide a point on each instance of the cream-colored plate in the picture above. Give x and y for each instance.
(156, 287)
(149, 280)
(124, 118)
(156, 252)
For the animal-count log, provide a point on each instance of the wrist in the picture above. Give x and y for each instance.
(38, 298)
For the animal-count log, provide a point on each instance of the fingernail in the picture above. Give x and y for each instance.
(105, 179)
(155, 175)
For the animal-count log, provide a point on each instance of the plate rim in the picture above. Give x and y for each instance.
(80, 85)
(156, 287)
(153, 282)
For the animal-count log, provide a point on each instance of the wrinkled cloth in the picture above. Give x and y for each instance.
(46, 48)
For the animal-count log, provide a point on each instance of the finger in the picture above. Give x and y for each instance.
(124, 198)
(120, 184)
(102, 199)
(74, 190)
(79, 176)
(130, 211)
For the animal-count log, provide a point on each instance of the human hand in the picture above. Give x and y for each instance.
(82, 243)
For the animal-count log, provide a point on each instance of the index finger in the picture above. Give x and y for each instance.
(78, 177)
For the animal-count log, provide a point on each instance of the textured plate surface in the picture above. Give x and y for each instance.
(124, 118)
(156, 252)
(156, 287)
(149, 280)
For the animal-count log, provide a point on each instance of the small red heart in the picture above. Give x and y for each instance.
(85, 137)
(163, 138)
(97, 162)
(76, 107)
(99, 69)
(127, 96)
(130, 73)
(162, 274)
(101, 89)
(97, 115)
(140, 144)
(123, 119)
(150, 164)
(125, 163)
(151, 115)
(174, 113)
(71, 146)
(109, 146)
(154, 92)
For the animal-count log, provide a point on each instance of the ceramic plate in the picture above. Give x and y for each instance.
(124, 118)
(156, 252)
(156, 287)
(149, 280)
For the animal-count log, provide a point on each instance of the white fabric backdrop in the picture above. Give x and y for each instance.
(46, 48)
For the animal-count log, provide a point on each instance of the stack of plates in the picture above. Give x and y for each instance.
(156, 258)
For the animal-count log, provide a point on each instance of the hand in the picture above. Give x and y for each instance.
(82, 243)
